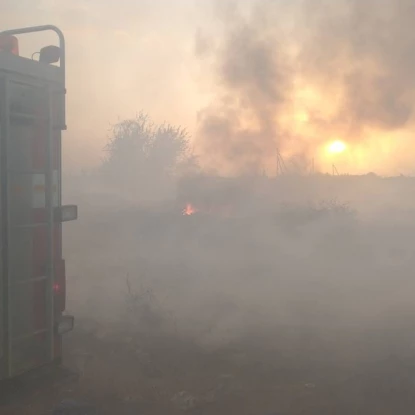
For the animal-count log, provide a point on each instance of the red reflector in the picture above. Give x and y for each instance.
(56, 288)
(9, 44)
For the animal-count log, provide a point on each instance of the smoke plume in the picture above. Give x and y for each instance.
(292, 77)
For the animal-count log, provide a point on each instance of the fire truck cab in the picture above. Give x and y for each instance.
(32, 270)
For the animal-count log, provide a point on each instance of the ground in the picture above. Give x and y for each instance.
(201, 316)
(166, 374)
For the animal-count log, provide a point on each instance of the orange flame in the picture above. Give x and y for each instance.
(189, 210)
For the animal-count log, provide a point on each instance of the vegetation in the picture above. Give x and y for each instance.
(143, 157)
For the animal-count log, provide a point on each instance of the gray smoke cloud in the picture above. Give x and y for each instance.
(249, 62)
(360, 55)
(368, 48)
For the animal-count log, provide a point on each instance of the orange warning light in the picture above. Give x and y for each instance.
(9, 44)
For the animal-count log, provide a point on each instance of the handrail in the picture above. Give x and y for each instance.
(35, 29)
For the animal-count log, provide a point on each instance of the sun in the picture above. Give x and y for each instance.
(336, 147)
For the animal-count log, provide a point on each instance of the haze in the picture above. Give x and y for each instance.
(271, 236)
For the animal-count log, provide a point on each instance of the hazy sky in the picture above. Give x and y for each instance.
(245, 77)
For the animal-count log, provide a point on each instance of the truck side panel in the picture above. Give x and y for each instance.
(33, 242)
(27, 267)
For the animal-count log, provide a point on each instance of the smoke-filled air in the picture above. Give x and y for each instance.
(243, 173)
(296, 77)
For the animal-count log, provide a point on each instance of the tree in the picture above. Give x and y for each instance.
(169, 147)
(141, 154)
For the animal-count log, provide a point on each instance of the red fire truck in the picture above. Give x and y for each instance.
(32, 270)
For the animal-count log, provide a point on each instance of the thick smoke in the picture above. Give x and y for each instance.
(356, 57)
(242, 125)
(367, 49)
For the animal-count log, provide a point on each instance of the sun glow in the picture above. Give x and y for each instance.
(336, 147)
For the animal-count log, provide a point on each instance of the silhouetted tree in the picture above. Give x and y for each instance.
(142, 154)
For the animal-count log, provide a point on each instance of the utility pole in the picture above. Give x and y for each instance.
(281, 167)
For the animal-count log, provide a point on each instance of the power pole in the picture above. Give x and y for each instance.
(281, 167)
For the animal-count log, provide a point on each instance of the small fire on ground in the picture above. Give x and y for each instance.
(189, 210)
(223, 211)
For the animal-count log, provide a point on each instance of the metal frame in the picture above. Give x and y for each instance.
(50, 223)
(45, 28)
(62, 46)
(4, 166)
